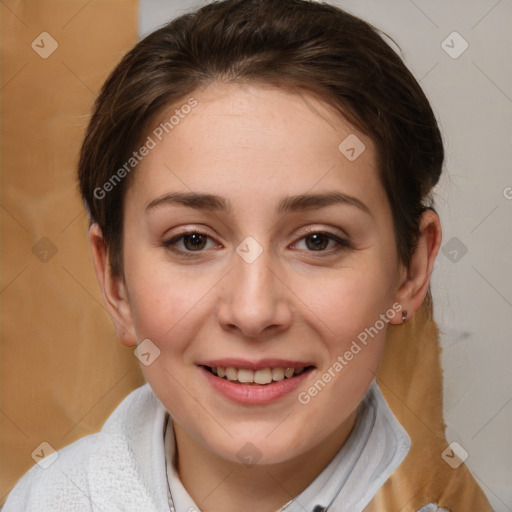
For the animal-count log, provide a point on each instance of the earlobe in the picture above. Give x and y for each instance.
(413, 289)
(113, 289)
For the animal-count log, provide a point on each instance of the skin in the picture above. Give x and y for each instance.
(254, 145)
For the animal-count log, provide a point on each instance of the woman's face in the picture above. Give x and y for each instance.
(294, 270)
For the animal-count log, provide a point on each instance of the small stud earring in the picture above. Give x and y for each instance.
(404, 316)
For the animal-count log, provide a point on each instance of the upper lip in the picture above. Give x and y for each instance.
(254, 365)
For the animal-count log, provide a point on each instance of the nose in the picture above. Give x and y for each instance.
(255, 302)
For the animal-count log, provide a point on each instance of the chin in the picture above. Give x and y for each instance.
(261, 449)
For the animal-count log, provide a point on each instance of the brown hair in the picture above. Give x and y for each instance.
(299, 44)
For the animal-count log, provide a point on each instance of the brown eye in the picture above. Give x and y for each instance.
(323, 242)
(189, 242)
(318, 241)
(194, 241)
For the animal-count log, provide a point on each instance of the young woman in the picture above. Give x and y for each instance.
(257, 176)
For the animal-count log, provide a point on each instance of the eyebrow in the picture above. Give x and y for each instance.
(301, 202)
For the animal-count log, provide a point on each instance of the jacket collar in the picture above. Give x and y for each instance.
(375, 448)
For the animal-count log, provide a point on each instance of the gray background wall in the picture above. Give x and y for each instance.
(471, 94)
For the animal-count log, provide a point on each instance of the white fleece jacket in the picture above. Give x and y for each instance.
(123, 467)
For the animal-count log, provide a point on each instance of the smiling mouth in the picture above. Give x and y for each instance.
(260, 377)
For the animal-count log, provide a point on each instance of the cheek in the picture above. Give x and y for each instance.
(165, 301)
(347, 302)
(352, 312)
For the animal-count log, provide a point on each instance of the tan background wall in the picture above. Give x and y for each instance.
(62, 368)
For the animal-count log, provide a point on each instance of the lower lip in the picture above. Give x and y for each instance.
(254, 394)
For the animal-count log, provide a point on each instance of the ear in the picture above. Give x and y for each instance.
(113, 289)
(416, 280)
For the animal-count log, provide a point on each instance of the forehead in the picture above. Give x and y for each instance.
(252, 141)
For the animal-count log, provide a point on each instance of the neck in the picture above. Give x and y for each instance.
(215, 483)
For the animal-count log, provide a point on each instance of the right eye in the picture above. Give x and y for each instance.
(187, 242)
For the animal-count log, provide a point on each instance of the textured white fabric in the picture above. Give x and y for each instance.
(123, 467)
(432, 507)
(120, 469)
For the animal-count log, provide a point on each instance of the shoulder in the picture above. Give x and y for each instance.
(92, 467)
(61, 479)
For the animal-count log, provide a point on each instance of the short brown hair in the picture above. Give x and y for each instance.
(299, 44)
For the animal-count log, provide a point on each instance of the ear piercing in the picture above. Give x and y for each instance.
(404, 316)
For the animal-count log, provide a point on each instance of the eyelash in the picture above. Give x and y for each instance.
(343, 244)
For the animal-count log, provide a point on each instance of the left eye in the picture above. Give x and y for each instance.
(319, 241)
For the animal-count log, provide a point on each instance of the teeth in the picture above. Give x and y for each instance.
(277, 374)
(263, 376)
(245, 376)
(231, 374)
